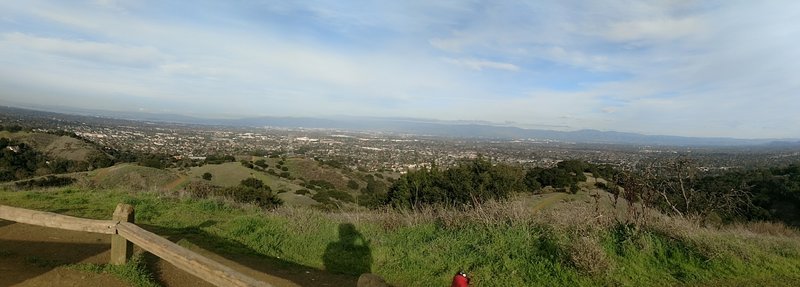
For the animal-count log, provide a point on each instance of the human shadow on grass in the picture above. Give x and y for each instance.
(243, 255)
(350, 255)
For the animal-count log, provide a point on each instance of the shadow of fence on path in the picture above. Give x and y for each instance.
(245, 256)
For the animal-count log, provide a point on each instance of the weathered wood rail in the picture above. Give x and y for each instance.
(125, 233)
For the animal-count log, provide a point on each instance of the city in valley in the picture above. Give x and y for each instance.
(376, 151)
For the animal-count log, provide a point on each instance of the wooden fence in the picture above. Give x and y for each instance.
(124, 233)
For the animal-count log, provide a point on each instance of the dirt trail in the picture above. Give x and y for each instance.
(172, 185)
(546, 200)
(34, 256)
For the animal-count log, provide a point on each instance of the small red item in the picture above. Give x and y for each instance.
(460, 280)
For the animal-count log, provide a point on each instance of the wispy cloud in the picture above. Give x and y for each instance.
(666, 29)
(478, 64)
(87, 50)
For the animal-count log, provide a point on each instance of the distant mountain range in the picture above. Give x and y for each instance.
(460, 129)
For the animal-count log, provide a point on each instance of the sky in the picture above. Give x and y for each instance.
(693, 68)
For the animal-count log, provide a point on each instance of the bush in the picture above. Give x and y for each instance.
(218, 159)
(207, 176)
(245, 194)
(325, 196)
(589, 257)
(302, 191)
(253, 183)
(200, 189)
(49, 181)
(352, 184)
(322, 184)
(340, 195)
(322, 197)
(469, 183)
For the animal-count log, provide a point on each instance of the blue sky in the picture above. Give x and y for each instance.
(693, 68)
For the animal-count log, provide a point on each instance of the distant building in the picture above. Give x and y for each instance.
(15, 149)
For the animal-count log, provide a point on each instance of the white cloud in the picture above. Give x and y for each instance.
(87, 50)
(479, 64)
(665, 29)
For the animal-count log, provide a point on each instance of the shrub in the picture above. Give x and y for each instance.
(199, 189)
(245, 194)
(322, 184)
(588, 256)
(340, 195)
(49, 181)
(252, 182)
(262, 163)
(352, 184)
(468, 183)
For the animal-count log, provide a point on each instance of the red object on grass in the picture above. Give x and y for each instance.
(460, 280)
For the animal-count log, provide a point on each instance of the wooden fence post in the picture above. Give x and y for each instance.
(121, 248)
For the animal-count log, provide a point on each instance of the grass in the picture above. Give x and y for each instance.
(312, 170)
(498, 244)
(133, 176)
(134, 273)
(60, 146)
(232, 173)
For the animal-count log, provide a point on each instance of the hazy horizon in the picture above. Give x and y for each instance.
(701, 69)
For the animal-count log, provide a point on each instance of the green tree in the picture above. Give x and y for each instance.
(252, 182)
(262, 163)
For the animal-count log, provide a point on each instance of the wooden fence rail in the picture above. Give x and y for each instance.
(124, 232)
(48, 219)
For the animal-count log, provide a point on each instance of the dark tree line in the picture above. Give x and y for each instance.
(565, 175)
(18, 160)
(11, 128)
(468, 183)
(774, 192)
(49, 181)
(680, 188)
(476, 181)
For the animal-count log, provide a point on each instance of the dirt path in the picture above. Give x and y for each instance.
(172, 185)
(546, 200)
(36, 256)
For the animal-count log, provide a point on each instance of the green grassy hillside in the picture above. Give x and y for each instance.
(63, 147)
(232, 173)
(310, 169)
(132, 176)
(563, 243)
